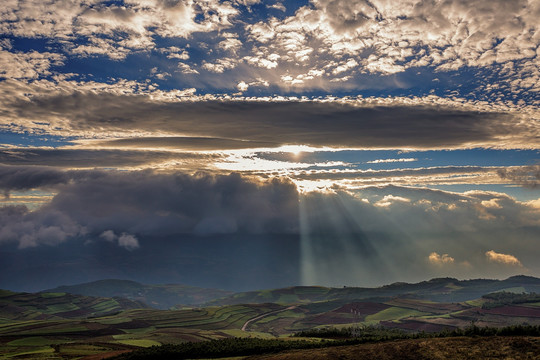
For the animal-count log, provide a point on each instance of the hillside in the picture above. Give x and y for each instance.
(59, 305)
(446, 348)
(157, 296)
(439, 290)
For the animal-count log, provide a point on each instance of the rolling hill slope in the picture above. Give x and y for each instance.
(440, 290)
(59, 305)
(157, 296)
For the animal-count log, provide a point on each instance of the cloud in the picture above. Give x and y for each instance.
(25, 178)
(440, 260)
(23, 173)
(389, 200)
(422, 123)
(360, 227)
(344, 236)
(220, 65)
(242, 86)
(324, 44)
(186, 68)
(30, 229)
(248, 2)
(113, 29)
(350, 236)
(29, 65)
(102, 204)
(381, 161)
(426, 209)
(108, 235)
(505, 259)
(127, 241)
(110, 157)
(327, 45)
(407, 176)
(417, 212)
(389, 37)
(278, 6)
(526, 175)
(230, 43)
(180, 143)
(346, 17)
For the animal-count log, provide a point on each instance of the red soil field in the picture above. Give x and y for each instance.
(364, 308)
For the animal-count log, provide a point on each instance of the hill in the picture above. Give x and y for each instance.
(446, 348)
(157, 296)
(59, 305)
(439, 290)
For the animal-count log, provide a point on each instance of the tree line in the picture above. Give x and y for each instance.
(327, 337)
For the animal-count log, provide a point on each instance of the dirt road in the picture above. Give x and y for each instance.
(244, 328)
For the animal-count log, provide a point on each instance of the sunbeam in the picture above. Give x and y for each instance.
(335, 251)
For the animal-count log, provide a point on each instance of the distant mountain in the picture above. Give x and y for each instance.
(175, 296)
(156, 296)
(439, 289)
(59, 305)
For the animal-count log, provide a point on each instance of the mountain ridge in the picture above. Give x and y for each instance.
(436, 289)
(171, 296)
(159, 296)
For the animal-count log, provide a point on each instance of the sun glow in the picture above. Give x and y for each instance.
(253, 160)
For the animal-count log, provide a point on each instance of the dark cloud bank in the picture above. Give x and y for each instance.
(90, 158)
(223, 231)
(147, 203)
(242, 233)
(272, 123)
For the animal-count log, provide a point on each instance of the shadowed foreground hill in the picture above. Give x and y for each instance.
(419, 349)
(524, 341)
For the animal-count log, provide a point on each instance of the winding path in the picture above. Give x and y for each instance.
(244, 328)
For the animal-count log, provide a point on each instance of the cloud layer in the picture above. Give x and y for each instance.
(422, 123)
(366, 237)
(324, 44)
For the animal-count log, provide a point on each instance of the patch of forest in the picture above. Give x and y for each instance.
(503, 298)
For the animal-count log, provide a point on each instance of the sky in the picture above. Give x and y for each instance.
(251, 144)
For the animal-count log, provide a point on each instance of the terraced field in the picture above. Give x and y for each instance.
(50, 306)
(163, 297)
(125, 330)
(61, 325)
(400, 313)
(133, 327)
